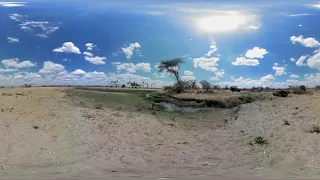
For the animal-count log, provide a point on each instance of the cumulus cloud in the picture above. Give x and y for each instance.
(96, 60)
(300, 61)
(292, 59)
(213, 47)
(294, 76)
(209, 64)
(268, 77)
(90, 46)
(13, 40)
(248, 83)
(87, 54)
(314, 61)
(7, 70)
(78, 72)
(13, 4)
(250, 57)
(306, 42)
(160, 74)
(256, 52)
(128, 51)
(188, 73)
(50, 67)
(68, 47)
(243, 61)
(130, 67)
(16, 64)
(279, 70)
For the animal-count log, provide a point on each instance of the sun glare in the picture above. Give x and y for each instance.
(221, 23)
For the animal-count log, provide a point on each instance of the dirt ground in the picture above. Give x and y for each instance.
(44, 132)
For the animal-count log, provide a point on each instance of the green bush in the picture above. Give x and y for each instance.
(260, 141)
(315, 129)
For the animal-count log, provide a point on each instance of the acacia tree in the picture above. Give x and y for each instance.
(172, 67)
(205, 85)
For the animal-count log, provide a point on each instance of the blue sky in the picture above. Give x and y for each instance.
(242, 43)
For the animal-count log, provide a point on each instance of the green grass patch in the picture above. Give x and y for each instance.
(315, 129)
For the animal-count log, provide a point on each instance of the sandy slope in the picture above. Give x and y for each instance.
(74, 140)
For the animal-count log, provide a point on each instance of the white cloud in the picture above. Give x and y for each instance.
(268, 77)
(253, 27)
(96, 60)
(161, 74)
(30, 76)
(68, 47)
(306, 42)
(242, 82)
(300, 61)
(213, 49)
(65, 59)
(90, 46)
(187, 78)
(300, 25)
(46, 28)
(7, 70)
(297, 15)
(115, 54)
(256, 52)
(294, 76)
(130, 67)
(279, 70)
(188, 73)
(276, 64)
(242, 61)
(292, 59)
(12, 40)
(16, 64)
(314, 61)
(51, 68)
(128, 51)
(16, 17)
(78, 72)
(87, 54)
(209, 64)
(12, 4)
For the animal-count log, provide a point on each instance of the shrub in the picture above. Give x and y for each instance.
(303, 88)
(315, 129)
(317, 87)
(286, 123)
(205, 85)
(35, 127)
(260, 141)
(234, 88)
(98, 106)
(299, 89)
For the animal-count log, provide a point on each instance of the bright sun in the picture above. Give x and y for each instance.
(221, 23)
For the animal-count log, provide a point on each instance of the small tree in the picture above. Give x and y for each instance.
(172, 67)
(193, 84)
(205, 85)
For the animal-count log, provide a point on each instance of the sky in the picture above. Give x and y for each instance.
(244, 43)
